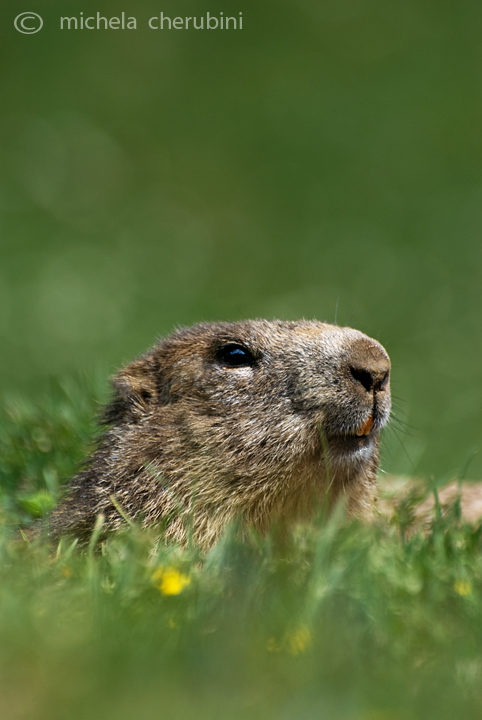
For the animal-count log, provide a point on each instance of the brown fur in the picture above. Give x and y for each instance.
(194, 442)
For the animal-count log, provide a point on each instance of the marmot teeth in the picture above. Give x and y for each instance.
(366, 427)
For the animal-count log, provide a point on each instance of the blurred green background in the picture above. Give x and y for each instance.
(324, 161)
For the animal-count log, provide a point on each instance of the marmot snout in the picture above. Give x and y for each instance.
(250, 419)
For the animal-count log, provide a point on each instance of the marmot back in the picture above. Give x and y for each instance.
(254, 419)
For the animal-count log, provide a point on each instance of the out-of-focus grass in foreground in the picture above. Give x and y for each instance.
(339, 621)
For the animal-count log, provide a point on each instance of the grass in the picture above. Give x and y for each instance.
(340, 621)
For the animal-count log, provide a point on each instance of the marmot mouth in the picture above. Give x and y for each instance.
(355, 438)
(349, 443)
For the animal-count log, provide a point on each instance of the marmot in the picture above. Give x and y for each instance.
(258, 420)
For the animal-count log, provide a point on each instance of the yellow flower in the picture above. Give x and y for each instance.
(463, 587)
(170, 581)
(298, 640)
(294, 642)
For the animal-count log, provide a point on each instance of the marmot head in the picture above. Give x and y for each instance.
(254, 418)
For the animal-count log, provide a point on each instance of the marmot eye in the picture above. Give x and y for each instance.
(234, 355)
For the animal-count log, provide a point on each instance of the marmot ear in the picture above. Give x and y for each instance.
(136, 387)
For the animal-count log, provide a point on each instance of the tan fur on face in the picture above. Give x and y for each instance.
(196, 443)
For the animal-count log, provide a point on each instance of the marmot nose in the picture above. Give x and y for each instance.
(369, 365)
(371, 379)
